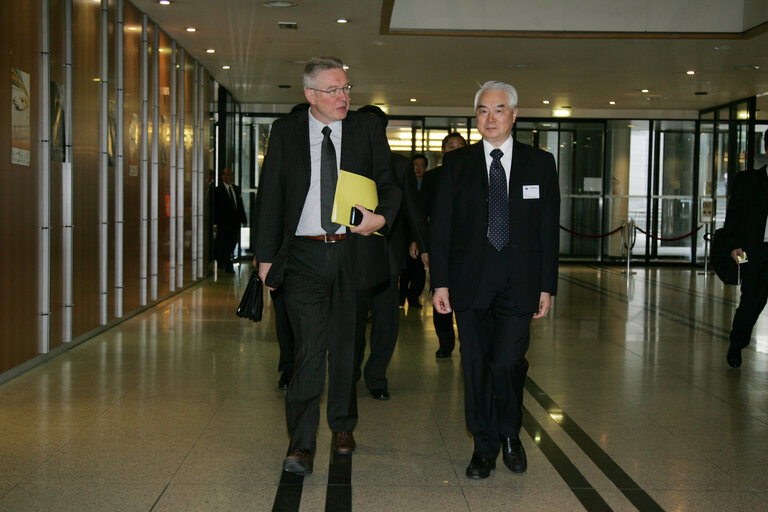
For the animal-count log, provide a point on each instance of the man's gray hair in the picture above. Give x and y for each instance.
(493, 85)
(317, 64)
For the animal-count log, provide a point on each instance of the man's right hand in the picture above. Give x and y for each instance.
(736, 254)
(440, 300)
(263, 271)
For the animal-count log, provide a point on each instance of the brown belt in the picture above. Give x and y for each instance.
(329, 239)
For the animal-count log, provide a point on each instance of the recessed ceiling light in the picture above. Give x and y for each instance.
(644, 91)
(546, 102)
(164, 2)
(345, 67)
(561, 112)
(225, 66)
(210, 50)
(342, 20)
(611, 102)
(413, 100)
(278, 3)
(191, 29)
(690, 72)
(133, 29)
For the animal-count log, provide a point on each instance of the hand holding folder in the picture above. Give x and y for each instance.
(351, 190)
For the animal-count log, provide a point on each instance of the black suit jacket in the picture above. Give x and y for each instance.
(226, 216)
(410, 224)
(747, 210)
(284, 183)
(428, 187)
(458, 225)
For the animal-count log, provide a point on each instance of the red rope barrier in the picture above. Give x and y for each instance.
(669, 239)
(591, 236)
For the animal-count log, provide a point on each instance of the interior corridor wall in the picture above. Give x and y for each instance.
(36, 315)
(19, 31)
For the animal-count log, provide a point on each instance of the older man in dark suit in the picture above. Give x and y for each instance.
(319, 263)
(747, 231)
(228, 216)
(493, 241)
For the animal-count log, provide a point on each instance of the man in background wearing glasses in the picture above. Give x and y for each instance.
(321, 264)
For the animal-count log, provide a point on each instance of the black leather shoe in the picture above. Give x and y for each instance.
(343, 443)
(285, 379)
(380, 394)
(733, 357)
(513, 454)
(480, 468)
(442, 353)
(299, 462)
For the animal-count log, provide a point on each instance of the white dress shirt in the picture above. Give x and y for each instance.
(506, 158)
(309, 222)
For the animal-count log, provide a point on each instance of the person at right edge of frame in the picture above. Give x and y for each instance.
(747, 233)
(496, 268)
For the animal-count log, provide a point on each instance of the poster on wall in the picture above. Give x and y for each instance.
(20, 143)
(134, 133)
(57, 122)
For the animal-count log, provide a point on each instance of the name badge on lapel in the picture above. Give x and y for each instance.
(530, 191)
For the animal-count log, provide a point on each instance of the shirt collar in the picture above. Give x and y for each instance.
(506, 146)
(316, 126)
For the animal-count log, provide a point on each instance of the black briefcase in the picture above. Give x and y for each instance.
(253, 299)
(725, 268)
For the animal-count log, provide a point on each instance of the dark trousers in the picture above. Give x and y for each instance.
(226, 241)
(412, 280)
(494, 335)
(381, 301)
(320, 297)
(285, 338)
(444, 329)
(754, 294)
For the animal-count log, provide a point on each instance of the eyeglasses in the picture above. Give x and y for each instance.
(334, 91)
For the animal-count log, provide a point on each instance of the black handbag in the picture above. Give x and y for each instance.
(725, 268)
(253, 299)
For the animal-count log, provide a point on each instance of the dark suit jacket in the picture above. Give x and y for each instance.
(410, 224)
(747, 210)
(458, 225)
(285, 176)
(227, 218)
(428, 188)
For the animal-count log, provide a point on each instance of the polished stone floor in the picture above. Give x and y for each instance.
(630, 406)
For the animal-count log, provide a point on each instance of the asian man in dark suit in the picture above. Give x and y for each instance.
(382, 300)
(493, 251)
(747, 232)
(443, 323)
(320, 264)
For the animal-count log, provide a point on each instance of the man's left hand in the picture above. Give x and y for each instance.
(545, 302)
(371, 222)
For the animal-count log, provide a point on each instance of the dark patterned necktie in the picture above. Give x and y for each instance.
(498, 203)
(328, 177)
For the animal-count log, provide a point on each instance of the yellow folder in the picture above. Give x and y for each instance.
(352, 189)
